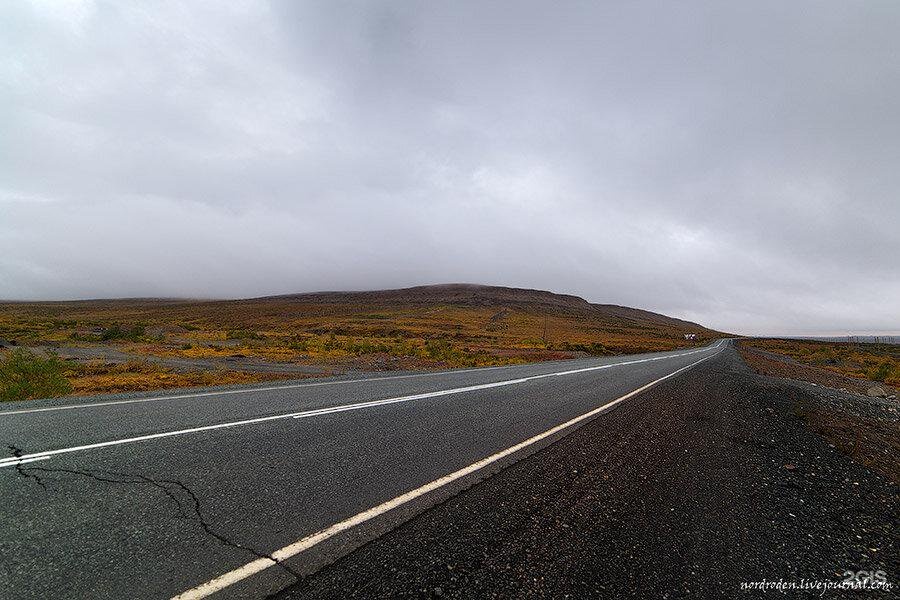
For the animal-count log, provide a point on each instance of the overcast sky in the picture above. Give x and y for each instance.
(734, 163)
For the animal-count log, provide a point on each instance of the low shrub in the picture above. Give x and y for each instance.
(120, 332)
(25, 375)
(242, 334)
(882, 372)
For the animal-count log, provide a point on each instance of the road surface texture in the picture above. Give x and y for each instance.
(297, 489)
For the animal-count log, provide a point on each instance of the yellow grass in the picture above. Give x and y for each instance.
(284, 330)
(142, 376)
(877, 362)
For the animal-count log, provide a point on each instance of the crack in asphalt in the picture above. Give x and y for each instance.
(18, 452)
(165, 486)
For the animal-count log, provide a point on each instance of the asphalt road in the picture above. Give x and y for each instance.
(152, 496)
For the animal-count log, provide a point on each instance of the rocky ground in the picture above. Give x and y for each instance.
(709, 481)
(858, 416)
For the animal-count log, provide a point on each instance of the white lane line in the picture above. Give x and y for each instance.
(243, 391)
(14, 460)
(23, 461)
(252, 390)
(227, 579)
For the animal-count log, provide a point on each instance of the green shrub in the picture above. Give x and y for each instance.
(882, 372)
(242, 334)
(118, 332)
(299, 344)
(25, 375)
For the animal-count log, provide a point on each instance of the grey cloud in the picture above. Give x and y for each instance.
(733, 164)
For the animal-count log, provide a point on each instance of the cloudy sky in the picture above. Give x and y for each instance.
(732, 163)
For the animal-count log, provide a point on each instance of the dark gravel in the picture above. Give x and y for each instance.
(708, 480)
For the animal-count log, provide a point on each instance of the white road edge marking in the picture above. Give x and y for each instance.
(16, 460)
(230, 578)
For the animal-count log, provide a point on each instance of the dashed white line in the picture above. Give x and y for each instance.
(289, 386)
(14, 460)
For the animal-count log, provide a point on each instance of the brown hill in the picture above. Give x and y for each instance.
(475, 295)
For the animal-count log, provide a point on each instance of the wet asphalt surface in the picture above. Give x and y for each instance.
(154, 517)
(708, 480)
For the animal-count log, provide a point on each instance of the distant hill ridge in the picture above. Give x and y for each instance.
(473, 295)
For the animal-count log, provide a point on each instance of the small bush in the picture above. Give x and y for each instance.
(299, 344)
(242, 334)
(25, 375)
(882, 372)
(118, 332)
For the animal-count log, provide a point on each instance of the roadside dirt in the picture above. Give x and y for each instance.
(777, 365)
(866, 429)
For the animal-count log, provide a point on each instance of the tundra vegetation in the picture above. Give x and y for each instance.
(875, 362)
(24, 375)
(336, 333)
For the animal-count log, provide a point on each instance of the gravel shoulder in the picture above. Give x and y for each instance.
(710, 479)
(864, 427)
